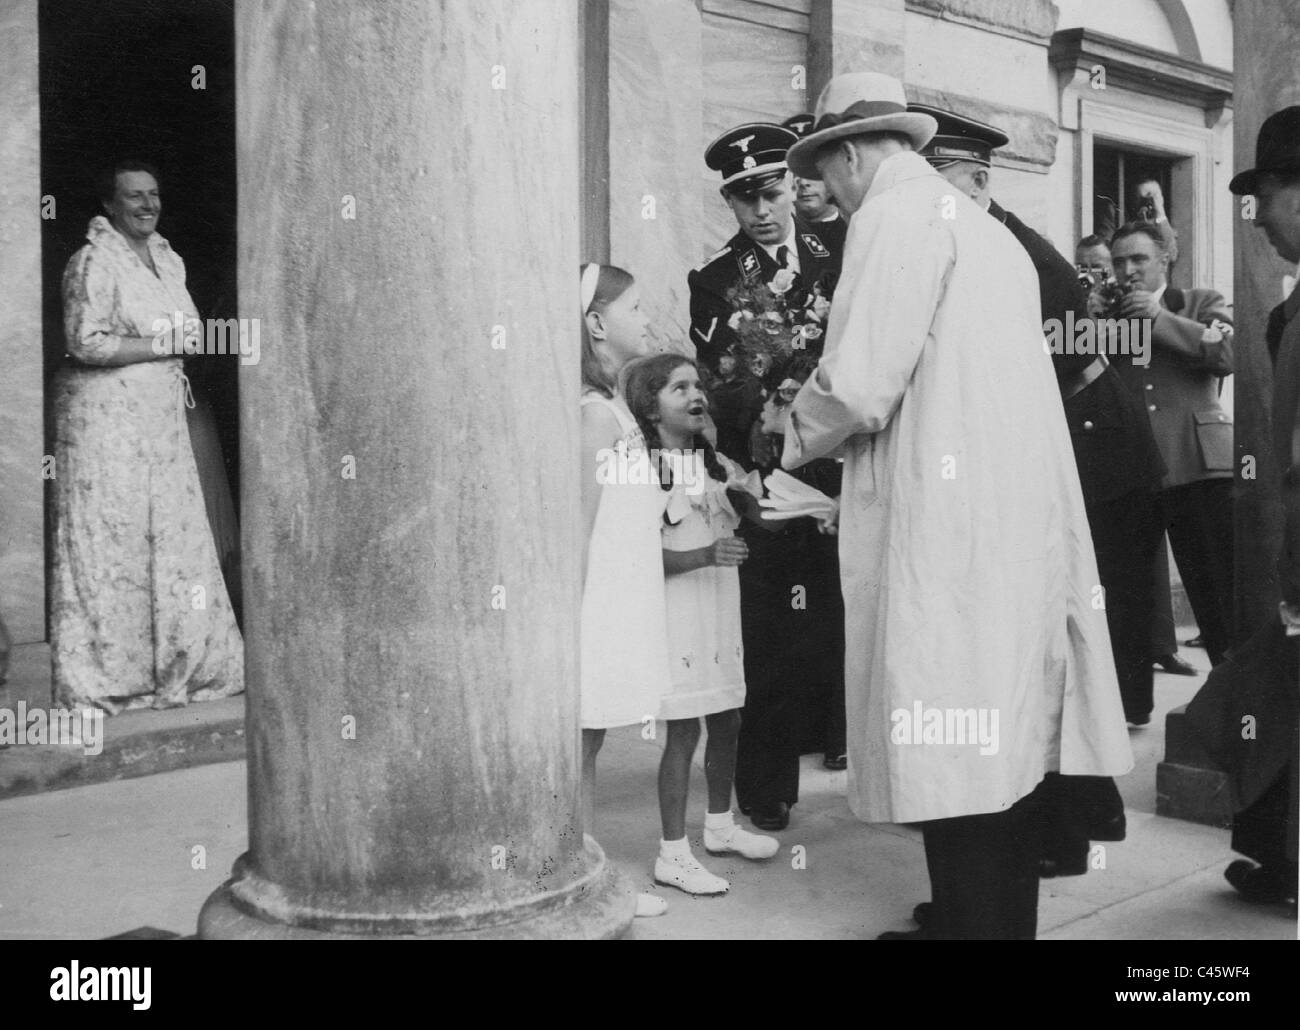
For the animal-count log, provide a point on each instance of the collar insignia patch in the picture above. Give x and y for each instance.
(815, 245)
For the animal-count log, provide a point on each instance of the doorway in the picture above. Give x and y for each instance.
(153, 81)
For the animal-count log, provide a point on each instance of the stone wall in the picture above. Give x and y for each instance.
(22, 550)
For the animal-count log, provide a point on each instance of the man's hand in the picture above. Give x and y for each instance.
(1140, 303)
(1150, 190)
(729, 550)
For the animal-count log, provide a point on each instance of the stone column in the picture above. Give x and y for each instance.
(22, 517)
(408, 233)
(853, 36)
(1266, 78)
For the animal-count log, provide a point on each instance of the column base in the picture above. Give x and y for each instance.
(603, 910)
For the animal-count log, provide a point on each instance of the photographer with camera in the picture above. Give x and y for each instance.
(1191, 335)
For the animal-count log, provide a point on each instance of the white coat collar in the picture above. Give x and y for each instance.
(906, 164)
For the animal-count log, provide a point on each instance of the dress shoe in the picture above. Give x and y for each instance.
(1196, 641)
(1050, 868)
(903, 935)
(921, 914)
(835, 763)
(773, 816)
(1114, 828)
(1172, 663)
(734, 840)
(1258, 883)
(686, 874)
(1138, 720)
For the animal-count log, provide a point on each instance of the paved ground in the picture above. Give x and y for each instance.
(99, 860)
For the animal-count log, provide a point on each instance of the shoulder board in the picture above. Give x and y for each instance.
(713, 257)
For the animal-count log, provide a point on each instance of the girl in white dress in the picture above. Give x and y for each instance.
(624, 643)
(700, 556)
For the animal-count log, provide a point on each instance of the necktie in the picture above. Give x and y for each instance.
(783, 256)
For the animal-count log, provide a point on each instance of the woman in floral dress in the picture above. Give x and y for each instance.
(140, 616)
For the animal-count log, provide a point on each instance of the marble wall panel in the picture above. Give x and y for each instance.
(22, 559)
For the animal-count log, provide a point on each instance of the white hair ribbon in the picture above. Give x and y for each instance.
(590, 277)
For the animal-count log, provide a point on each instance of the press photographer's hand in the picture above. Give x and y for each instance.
(1140, 303)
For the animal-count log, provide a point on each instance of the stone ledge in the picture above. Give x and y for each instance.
(1194, 794)
(135, 744)
(1182, 747)
(1034, 20)
(1033, 134)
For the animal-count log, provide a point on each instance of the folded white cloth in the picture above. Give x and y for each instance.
(790, 498)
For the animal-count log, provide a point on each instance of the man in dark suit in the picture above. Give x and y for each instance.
(1191, 353)
(778, 636)
(813, 202)
(1118, 460)
(1267, 830)
(758, 187)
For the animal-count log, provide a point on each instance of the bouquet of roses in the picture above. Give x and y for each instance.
(774, 321)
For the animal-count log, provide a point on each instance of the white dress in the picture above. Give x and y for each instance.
(624, 638)
(708, 660)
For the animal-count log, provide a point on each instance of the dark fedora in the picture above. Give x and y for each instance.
(1276, 150)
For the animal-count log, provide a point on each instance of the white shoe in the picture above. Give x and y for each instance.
(734, 840)
(648, 905)
(686, 874)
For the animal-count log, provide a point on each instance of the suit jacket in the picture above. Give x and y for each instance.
(1180, 386)
(820, 251)
(1286, 439)
(1114, 448)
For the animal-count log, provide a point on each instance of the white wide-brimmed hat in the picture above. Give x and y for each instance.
(855, 104)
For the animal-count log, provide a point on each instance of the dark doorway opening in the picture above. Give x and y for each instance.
(1116, 174)
(153, 80)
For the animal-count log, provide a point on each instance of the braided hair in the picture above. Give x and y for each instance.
(641, 382)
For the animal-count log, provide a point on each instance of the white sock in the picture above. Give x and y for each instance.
(719, 820)
(674, 848)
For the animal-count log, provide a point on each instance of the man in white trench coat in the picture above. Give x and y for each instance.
(977, 655)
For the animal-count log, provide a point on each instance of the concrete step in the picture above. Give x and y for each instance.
(1192, 793)
(132, 744)
(1182, 747)
(1188, 785)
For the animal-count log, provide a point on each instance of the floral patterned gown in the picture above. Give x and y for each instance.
(140, 616)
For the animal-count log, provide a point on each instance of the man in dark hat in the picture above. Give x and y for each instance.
(757, 186)
(1266, 830)
(812, 201)
(781, 683)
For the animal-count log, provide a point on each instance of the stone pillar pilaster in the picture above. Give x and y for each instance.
(408, 232)
(853, 36)
(22, 517)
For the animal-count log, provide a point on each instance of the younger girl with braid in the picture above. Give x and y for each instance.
(700, 556)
